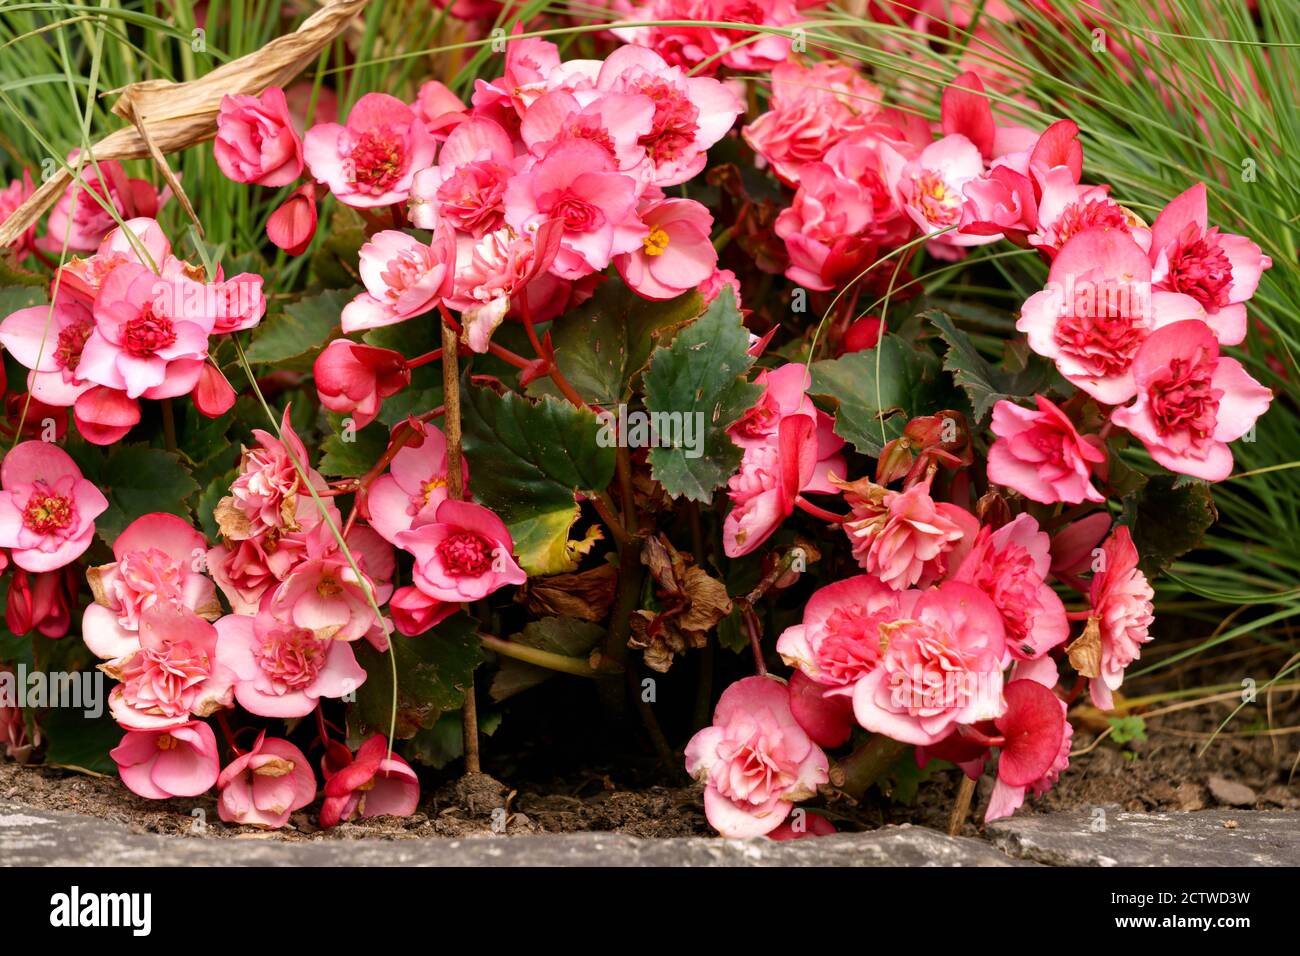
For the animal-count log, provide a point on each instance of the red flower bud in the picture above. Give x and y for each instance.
(213, 395)
(353, 379)
(293, 225)
(105, 415)
(39, 602)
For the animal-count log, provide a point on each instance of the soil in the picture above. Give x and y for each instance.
(1164, 772)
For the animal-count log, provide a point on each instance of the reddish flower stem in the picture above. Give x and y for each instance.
(755, 639)
(818, 512)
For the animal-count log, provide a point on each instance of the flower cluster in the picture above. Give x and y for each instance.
(950, 640)
(130, 321)
(981, 548)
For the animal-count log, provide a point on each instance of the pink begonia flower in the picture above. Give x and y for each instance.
(691, 113)
(1191, 401)
(1000, 204)
(785, 393)
(176, 762)
(144, 343)
(929, 189)
(140, 241)
(764, 491)
(293, 225)
(324, 595)
(1122, 610)
(376, 783)
(614, 121)
(414, 612)
(812, 825)
(213, 395)
(281, 670)
(104, 415)
(755, 761)
(173, 674)
(577, 185)
(750, 50)
(47, 509)
(159, 557)
(256, 141)
(466, 190)
(354, 379)
(463, 554)
(1067, 208)
(790, 447)
(413, 487)
(492, 272)
(692, 47)
(40, 602)
(1041, 455)
(49, 341)
(1220, 271)
(825, 716)
(530, 62)
(1096, 311)
(82, 220)
(263, 787)
(236, 304)
(439, 108)
(940, 665)
(372, 160)
(826, 217)
(676, 256)
(245, 570)
(269, 495)
(403, 276)
(811, 109)
(679, 38)
(1011, 565)
(11, 197)
(1032, 716)
(721, 279)
(838, 642)
(906, 538)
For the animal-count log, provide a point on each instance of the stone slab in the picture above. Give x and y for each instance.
(1202, 838)
(30, 837)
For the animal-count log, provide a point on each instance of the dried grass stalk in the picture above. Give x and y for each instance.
(167, 117)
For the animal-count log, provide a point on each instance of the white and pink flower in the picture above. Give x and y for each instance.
(404, 278)
(755, 761)
(159, 557)
(940, 666)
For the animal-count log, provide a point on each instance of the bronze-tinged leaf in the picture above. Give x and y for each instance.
(1085, 651)
(586, 595)
(709, 602)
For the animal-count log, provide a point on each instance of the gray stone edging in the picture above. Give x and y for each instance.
(32, 837)
(1112, 837)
